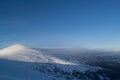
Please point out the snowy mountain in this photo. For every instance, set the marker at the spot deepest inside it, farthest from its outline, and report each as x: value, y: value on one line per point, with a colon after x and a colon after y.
x: 21, y: 53
x: 19, y: 62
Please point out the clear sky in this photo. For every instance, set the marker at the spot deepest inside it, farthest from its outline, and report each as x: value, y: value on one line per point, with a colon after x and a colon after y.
x: 60, y: 23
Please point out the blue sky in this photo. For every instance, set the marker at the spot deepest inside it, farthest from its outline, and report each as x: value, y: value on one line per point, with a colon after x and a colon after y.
x: 60, y: 23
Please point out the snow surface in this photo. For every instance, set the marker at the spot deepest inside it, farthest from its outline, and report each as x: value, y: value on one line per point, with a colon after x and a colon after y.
x: 19, y: 62
x: 22, y: 53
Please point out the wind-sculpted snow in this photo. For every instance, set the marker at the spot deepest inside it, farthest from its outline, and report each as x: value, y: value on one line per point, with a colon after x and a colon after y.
x: 18, y: 62
x: 22, y: 53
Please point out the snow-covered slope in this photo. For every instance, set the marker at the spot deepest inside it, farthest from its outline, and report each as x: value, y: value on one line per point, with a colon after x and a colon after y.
x: 22, y: 53
x: 19, y: 62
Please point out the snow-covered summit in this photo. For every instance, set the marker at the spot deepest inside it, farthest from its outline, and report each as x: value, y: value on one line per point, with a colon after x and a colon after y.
x: 24, y: 63
x: 15, y: 49
x: 22, y: 53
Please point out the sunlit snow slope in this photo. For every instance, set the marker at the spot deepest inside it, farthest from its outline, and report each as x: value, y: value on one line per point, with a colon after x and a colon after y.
x: 21, y: 53
x: 19, y: 62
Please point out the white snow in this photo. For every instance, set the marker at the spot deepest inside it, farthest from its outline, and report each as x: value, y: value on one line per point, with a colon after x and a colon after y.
x: 12, y: 49
x: 22, y: 53
x: 17, y: 62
